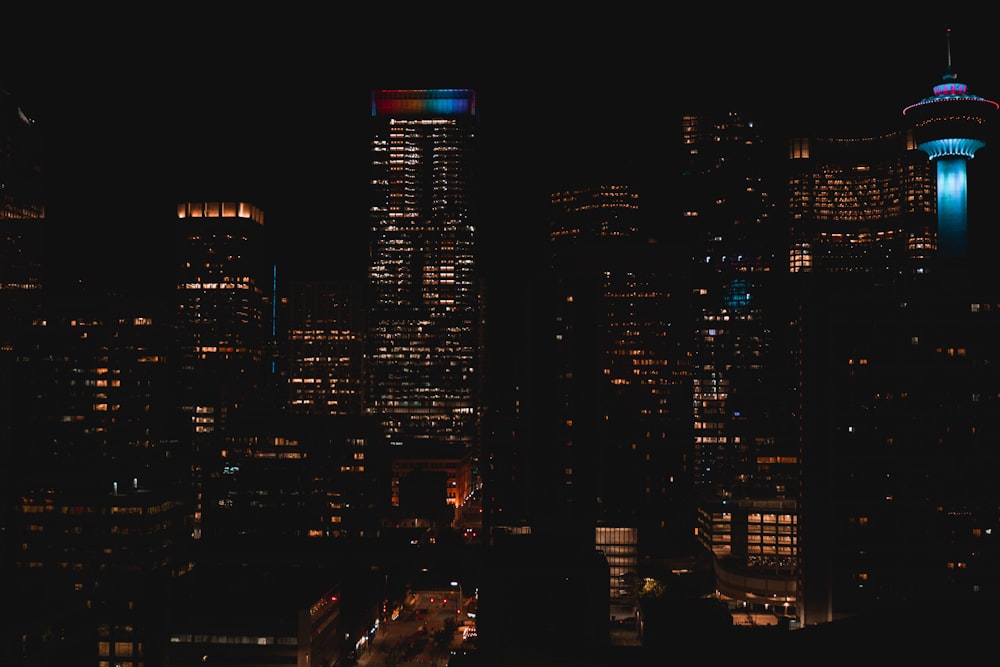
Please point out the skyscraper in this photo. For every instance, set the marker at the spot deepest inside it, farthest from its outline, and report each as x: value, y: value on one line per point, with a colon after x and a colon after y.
x: 614, y: 439
x: 746, y: 456
x: 222, y: 310
x: 423, y: 347
x: 22, y: 212
x: 22, y: 219
x: 222, y: 320
x: 616, y: 359
x: 22, y: 216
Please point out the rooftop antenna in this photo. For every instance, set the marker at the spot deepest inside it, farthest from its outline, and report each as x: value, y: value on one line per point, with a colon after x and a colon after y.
x: 947, y: 38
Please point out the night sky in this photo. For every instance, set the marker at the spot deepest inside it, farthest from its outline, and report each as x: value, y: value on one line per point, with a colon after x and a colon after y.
x: 140, y: 111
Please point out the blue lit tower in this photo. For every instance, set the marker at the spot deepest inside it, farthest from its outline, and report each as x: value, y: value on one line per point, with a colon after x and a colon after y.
x: 950, y: 126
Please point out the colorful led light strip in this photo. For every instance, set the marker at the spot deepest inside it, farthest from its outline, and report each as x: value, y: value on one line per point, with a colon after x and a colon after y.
x: 436, y: 102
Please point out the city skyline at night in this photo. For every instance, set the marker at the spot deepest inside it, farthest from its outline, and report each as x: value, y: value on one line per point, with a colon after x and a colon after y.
x: 678, y: 336
x: 283, y: 127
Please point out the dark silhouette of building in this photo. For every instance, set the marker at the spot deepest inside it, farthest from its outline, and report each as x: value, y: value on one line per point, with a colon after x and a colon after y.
x: 22, y: 219
x: 290, y: 477
x: 100, y: 549
x: 898, y: 386
x: 94, y: 386
x: 746, y: 456
x: 278, y: 609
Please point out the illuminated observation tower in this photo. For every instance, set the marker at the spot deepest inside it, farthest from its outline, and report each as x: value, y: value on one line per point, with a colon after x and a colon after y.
x: 950, y: 127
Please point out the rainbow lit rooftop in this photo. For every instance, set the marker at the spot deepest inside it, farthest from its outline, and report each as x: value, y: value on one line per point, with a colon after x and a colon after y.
x: 428, y: 102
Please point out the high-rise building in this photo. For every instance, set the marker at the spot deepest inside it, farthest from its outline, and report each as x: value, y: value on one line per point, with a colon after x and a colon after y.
x: 22, y: 220
x: 424, y: 320
x: 862, y: 220
x: 602, y: 449
x: 613, y: 445
x: 222, y: 322
x: 746, y: 457
x: 223, y: 314
x: 22, y: 216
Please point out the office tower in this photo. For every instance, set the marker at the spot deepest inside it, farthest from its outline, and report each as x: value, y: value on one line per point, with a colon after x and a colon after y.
x: 861, y: 210
x: 223, y: 311
x: 950, y: 126
x: 222, y: 322
x: 746, y: 456
x: 860, y: 207
x: 615, y: 443
x: 325, y: 349
x: 22, y: 220
x: 424, y: 326
x: 862, y: 216
x: 606, y: 438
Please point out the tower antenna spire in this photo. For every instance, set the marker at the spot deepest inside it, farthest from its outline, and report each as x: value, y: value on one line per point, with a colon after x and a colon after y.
x: 947, y: 37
